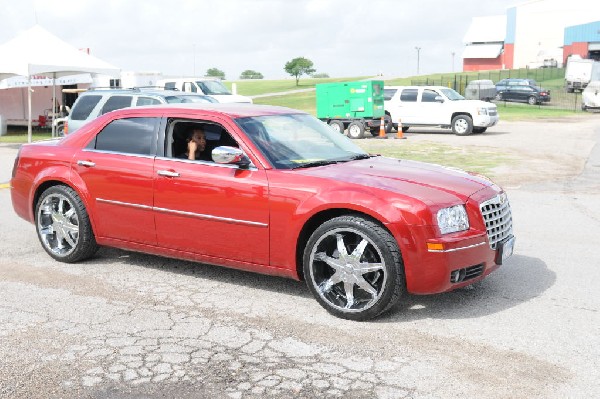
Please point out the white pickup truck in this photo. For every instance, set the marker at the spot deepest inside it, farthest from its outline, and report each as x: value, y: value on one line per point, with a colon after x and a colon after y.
x: 438, y: 106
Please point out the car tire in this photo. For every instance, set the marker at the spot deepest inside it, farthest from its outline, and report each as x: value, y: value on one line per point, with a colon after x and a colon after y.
x: 405, y: 129
x: 63, y: 225
x: 532, y: 100
x: 498, y: 97
x: 479, y: 129
x: 462, y: 125
x: 338, y: 126
x: 356, y: 130
x: 389, y: 125
x: 353, y: 267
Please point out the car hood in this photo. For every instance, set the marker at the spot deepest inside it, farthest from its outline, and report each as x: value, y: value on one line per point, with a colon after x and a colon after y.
x: 429, y: 183
x: 231, y: 98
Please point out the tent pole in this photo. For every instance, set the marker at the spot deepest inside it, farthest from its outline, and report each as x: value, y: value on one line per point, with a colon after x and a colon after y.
x: 29, y: 105
x: 53, y: 110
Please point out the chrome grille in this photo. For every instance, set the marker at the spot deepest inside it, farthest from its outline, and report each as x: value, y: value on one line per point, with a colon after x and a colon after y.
x: 492, y: 112
x: 498, y: 219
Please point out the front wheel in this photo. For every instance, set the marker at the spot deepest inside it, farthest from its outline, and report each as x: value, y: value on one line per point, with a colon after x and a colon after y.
x: 356, y: 130
x: 498, y: 97
x: 462, y: 125
x: 353, y: 267
x: 532, y: 100
x: 63, y: 225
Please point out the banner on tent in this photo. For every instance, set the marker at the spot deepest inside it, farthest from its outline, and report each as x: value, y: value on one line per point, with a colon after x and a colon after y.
x: 36, y: 81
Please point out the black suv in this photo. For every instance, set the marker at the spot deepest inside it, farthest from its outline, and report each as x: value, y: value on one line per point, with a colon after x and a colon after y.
x: 524, y: 93
x: 95, y: 102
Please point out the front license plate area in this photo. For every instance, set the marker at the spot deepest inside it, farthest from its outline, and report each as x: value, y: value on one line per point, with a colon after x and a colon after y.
x: 505, y: 250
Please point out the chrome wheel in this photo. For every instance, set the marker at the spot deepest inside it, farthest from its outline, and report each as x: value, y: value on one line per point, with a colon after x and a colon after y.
x: 63, y: 225
x: 58, y: 224
x: 462, y: 125
x: 353, y: 267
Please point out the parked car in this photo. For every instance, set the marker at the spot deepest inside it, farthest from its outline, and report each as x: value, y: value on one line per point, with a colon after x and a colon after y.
x: 93, y: 103
x: 482, y: 89
x: 438, y: 106
x: 208, y: 86
x: 283, y: 194
x: 505, y: 83
x: 590, y: 98
x: 524, y: 93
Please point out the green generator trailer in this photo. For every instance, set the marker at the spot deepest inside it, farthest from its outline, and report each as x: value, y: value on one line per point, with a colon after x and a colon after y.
x: 356, y: 106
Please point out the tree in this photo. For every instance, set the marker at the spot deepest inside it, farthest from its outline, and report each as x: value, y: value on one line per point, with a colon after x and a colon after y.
x: 298, y: 67
x: 250, y: 74
x: 215, y: 73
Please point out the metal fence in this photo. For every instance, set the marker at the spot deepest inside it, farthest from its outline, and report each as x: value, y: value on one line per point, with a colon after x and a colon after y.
x: 551, y: 79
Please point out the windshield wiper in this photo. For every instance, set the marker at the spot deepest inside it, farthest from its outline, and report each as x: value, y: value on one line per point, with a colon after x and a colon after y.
x: 360, y: 156
x: 317, y: 163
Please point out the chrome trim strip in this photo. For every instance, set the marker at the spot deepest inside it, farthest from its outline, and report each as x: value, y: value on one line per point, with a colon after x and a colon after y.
x: 457, y: 249
x: 211, y: 217
x: 124, y: 203
x: 183, y: 213
x: 127, y: 154
x: 208, y: 163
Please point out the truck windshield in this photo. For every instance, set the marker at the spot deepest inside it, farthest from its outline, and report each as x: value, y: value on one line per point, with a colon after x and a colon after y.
x: 452, y: 95
x: 213, y: 87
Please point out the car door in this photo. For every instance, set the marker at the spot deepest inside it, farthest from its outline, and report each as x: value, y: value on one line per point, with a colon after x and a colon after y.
x: 116, y: 168
x: 406, y: 108
x: 215, y: 210
x: 430, y: 110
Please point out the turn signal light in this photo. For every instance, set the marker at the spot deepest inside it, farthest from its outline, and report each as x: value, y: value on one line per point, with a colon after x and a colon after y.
x: 432, y: 246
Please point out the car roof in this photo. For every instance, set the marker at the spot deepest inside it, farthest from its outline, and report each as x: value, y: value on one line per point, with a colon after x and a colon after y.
x: 233, y: 110
x: 151, y: 91
x: 414, y: 87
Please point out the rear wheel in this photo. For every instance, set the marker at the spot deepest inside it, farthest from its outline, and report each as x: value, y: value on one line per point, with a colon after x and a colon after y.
x: 405, y: 129
x: 389, y: 125
x: 63, y: 225
x: 338, y: 126
x: 356, y: 130
x: 462, y: 125
x: 532, y: 100
x: 353, y: 267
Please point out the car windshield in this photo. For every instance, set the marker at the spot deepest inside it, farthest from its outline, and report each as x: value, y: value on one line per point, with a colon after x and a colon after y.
x: 189, y: 99
x: 298, y: 141
x: 212, y: 87
x: 452, y: 95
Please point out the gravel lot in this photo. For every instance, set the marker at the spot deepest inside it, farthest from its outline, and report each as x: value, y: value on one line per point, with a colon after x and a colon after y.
x: 128, y: 325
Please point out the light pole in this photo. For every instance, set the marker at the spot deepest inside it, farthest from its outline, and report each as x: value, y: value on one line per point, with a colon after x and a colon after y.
x: 453, y: 60
x: 418, y: 58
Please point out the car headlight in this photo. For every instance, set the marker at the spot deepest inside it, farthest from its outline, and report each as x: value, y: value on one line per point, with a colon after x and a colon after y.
x: 482, y: 111
x: 453, y: 219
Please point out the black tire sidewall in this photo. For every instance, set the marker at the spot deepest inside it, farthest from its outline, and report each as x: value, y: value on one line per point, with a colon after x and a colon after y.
x: 380, y: 237
x: 469, y: 121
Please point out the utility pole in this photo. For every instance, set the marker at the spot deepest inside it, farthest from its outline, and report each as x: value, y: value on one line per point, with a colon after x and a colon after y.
x: 418, y: 58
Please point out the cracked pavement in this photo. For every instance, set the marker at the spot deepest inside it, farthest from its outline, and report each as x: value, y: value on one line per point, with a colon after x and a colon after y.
x: 130, y: 325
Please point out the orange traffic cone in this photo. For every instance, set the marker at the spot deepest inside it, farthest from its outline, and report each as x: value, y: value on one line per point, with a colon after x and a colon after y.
x: 382, y: 134
x: 399, y: 134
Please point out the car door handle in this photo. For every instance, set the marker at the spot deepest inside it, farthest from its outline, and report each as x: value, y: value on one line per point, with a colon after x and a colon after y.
x: 87, y: 164
x: 167, y: 173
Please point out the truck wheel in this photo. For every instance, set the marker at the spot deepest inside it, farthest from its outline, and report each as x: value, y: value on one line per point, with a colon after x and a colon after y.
x: 356, y: 130
x: 389, y: 125
x: 405, y: 129
x: 338, y: 126
x: 462, y: 125
x: 353, y: 267
x: 532, y: 100
x: 498, y: 97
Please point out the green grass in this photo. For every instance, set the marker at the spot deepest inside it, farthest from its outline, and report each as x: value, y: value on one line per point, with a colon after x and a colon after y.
x: 305, y: 101
x: 519, y: 112
x: 253, y: 87
x: 19, y: 136
x: 477, y: 160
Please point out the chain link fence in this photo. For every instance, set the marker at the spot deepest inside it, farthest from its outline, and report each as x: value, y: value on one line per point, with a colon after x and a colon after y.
x: 551, y: 79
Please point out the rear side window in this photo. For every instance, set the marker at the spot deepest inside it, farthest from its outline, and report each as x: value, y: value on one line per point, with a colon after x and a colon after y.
x: 409, y: 95
x: 129, y: 136
x: 116, y: 102
x: 170, y: 86
x: 388, y: 94
x: 147, y: 101
x: 84, y: 106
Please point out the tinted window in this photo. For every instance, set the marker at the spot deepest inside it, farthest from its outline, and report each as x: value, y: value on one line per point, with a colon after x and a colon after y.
x: 147, y: 101
x: 170, y: 86
x: 130, y: 135
x: 409, y: 95
x: 84, y: 105
x: 429, y: 96
x: 388, y: 94
x: 116, y: 102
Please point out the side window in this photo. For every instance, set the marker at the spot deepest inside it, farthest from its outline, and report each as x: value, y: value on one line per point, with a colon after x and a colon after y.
x: 189, y: 86
x: 429, y: 96
x: 388, y: 94
x: 116, y: 102
x: 409, y: 95
x: 147, y: 101
x: 129, y: 136
x: 170, y: 86
x: 180, y: 132
x: 84, y: 106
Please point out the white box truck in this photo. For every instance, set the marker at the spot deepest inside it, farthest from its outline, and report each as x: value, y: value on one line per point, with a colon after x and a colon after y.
x: 579, y: 72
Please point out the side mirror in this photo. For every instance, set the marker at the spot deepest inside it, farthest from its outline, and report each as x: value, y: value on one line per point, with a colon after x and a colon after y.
x: 231, y: 156
x: 438, y: 99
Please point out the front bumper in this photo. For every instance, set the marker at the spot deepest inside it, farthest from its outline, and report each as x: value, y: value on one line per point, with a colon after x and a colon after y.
x: 485, y: 120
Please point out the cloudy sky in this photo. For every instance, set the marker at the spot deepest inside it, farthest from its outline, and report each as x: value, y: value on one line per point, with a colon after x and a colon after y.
x: 344, y: 38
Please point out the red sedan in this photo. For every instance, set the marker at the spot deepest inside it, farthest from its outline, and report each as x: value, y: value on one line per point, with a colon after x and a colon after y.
x: 264, y: 189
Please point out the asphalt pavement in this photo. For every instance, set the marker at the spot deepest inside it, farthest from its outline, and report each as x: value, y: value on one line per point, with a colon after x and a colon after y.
x: 129, y: 325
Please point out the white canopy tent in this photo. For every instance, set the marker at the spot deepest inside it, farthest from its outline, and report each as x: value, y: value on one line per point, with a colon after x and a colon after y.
x: 38, y: 52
